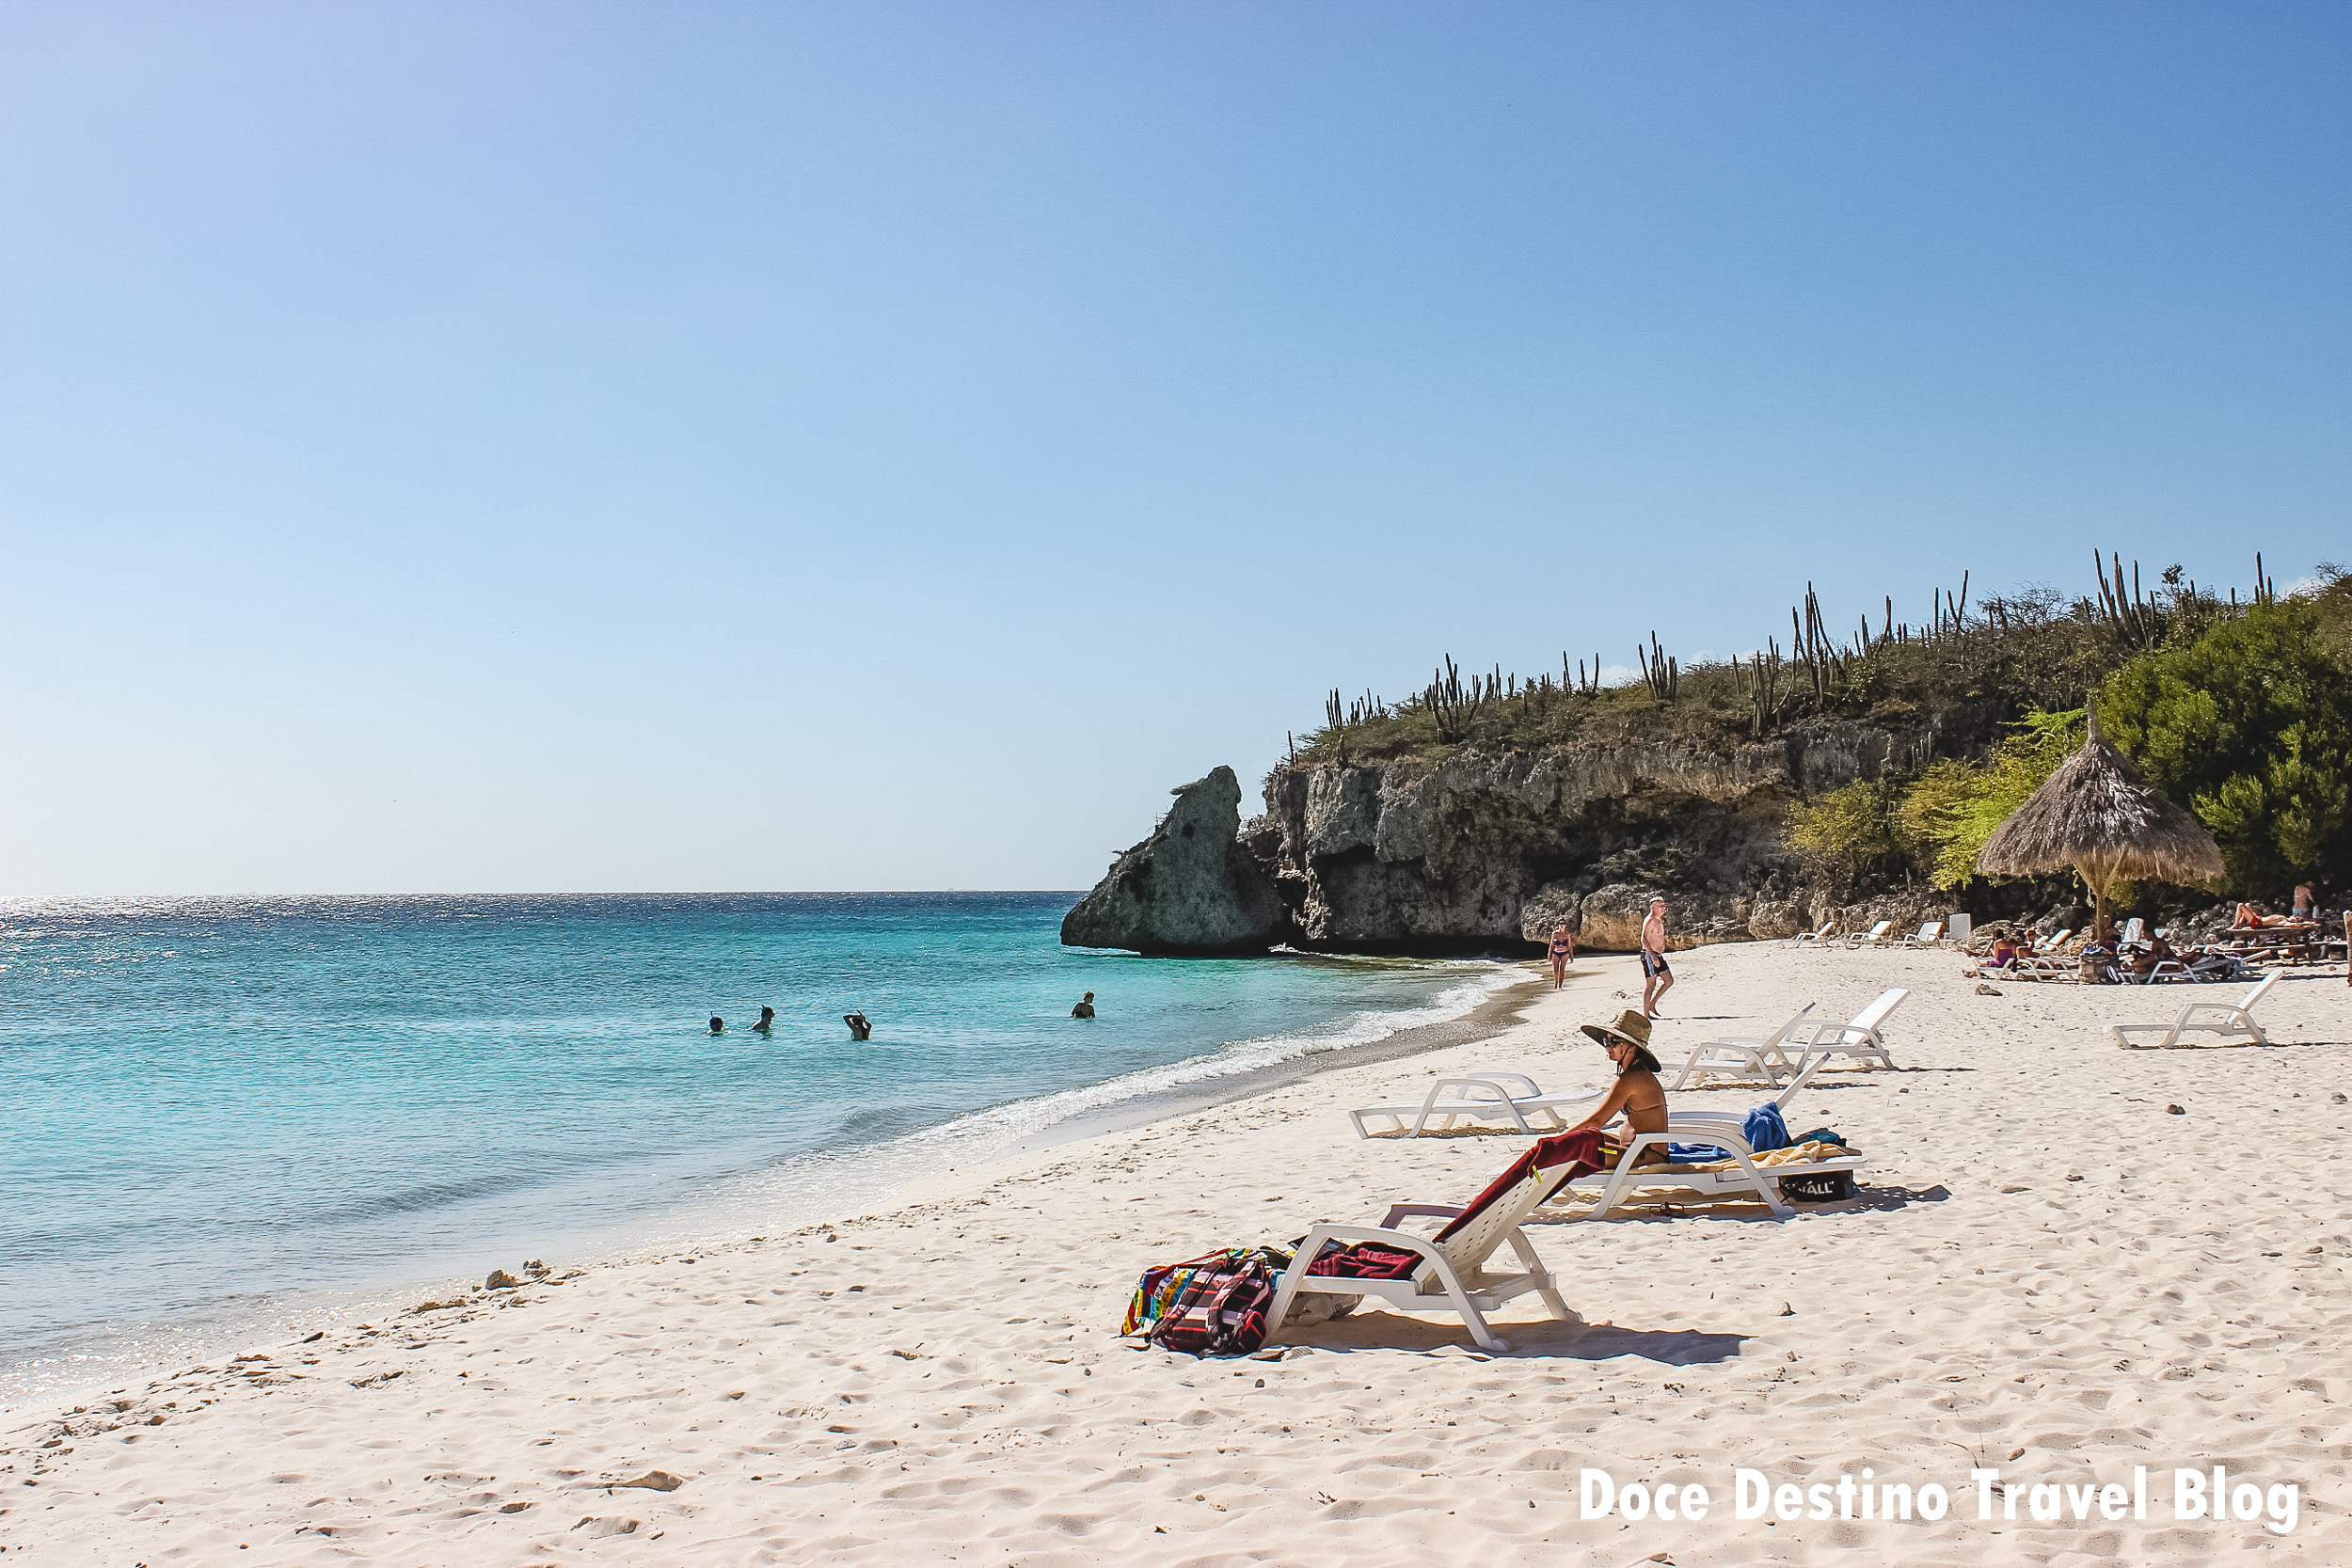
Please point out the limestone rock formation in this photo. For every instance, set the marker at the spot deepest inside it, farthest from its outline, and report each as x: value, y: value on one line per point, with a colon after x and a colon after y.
x: 1485, y: 851
x: 1190, y: 888
x: 1482, y: 850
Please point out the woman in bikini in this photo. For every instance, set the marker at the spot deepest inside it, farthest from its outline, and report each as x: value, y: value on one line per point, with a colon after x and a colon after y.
x: 1636, y: 1090
x: 1563, y: 953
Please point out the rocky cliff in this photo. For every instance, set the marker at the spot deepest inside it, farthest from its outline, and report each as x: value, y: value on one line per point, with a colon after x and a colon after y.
x: 1189, y: 888
x: 1483, y: 852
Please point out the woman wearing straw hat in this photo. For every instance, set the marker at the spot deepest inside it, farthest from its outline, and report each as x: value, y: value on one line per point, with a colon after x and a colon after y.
x: 1636, y: 1091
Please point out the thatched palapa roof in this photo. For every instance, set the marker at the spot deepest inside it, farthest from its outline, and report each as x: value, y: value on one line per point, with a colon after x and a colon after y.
x: 2097, y: 815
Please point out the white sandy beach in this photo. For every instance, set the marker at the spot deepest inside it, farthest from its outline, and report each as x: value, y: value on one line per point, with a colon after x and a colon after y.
x: 2046, y: 1274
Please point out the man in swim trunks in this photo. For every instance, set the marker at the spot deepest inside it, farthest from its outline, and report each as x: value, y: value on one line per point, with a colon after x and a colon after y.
x: 1563, y: 953
x: 1656, y: 979
x: 1085, y: 1009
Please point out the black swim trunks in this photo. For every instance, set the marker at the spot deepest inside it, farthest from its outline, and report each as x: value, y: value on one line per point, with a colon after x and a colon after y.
x: 1653, y: 965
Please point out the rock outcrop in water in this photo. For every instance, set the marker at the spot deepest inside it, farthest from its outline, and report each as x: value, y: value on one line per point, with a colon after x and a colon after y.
x: 1483, y: 852
x: 1190, y: 888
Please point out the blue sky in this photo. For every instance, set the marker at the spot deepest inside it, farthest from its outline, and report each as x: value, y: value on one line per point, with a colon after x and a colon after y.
x: 573, y: 447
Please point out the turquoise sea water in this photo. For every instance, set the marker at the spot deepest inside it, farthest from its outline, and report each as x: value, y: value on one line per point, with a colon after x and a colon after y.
x: 218, y: 1106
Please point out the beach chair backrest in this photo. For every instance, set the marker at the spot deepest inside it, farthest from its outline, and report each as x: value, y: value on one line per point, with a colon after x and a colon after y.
x: 2055, y: 940
x: 1930, y: 933
x: 1505, y: 1085
x: 1805, y: 1076
x: 2256, y: 994
x: 2132, y: 929
x: 1875, y: 1014
x: 1789, y: 1028
x: 1470, y: 1236
x: 1878, y: 931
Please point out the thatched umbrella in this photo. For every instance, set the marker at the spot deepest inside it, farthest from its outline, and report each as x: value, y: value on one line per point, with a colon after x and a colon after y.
x: 2096, y: 814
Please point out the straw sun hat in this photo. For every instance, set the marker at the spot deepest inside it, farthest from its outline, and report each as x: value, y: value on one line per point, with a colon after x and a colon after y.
x: 1631, y: 1027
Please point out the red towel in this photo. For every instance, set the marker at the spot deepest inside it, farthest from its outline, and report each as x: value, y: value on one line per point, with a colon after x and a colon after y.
x: 1562, y: 1157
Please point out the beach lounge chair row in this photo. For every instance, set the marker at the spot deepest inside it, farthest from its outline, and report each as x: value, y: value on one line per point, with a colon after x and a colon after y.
x: 1453, y: 1274
x: 1487, y: 1093
x: 1788, y: 1049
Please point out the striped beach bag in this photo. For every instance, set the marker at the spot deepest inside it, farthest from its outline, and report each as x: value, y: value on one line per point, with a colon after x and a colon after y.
x: 1213, y: 1305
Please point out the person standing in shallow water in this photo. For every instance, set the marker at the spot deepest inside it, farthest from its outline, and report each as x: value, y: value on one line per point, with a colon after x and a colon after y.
x: 1563, y: 953
x: 859, y: 1028
x: 1084, y: 1007
x: 1656, y: 979
x: 767, y: 1021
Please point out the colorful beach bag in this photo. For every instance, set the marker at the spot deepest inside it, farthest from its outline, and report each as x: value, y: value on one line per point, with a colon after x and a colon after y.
x: 1213, y: 1305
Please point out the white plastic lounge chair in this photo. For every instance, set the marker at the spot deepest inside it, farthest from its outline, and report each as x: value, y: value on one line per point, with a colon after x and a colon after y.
x: 1858, y: 1037
x: 1478, y: 1095
x: 2135, y: 930
x: 2230, y: 1021
x: 1742, y: 1056
x: 1744, y: 1181
x: 1821, y: 935
x: 2045, y: 961
x: 1874, y: 937
x: 1453, y: 1272
x: 1929, y: 935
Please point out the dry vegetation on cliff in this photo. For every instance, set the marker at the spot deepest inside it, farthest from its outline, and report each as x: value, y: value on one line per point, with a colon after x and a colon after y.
x: 2238, y: 708
x: 1986, y: 663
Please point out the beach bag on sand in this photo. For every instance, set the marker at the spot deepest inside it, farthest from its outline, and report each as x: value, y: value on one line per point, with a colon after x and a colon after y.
x: 1213, y: 1305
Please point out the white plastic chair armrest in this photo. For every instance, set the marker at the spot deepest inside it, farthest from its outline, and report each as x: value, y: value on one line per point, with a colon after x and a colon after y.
x: 1484, y: 1075
x: 1420, y: 1210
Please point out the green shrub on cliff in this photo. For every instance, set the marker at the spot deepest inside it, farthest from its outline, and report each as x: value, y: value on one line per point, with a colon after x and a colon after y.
x: 2250, y: 726
x: 1852, y: 833
x: 1953, y: 806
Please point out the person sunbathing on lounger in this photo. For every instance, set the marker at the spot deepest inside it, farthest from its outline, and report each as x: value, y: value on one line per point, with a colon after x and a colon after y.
x: 2005, y: 955
x: 2252, y: 917
x: 1636, y: 1091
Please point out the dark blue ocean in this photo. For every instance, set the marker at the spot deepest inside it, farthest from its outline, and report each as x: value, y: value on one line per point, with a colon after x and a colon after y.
x: 227, y: 1114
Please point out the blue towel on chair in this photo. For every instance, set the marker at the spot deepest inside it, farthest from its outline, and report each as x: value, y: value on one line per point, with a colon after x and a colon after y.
x: 1764, y: 1129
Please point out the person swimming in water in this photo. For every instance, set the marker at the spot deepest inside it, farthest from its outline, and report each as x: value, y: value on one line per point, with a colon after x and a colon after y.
x: 718, y: 1024
x: 859, y: 1028
x: 1084, y: 1007
x: 767, y: 1024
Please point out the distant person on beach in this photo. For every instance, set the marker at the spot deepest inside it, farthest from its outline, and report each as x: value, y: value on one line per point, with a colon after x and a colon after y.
x: 2005, y: 955
x: 767, y: 1021
x: 859, y: 1028
x: 1656, y: 979
x: 1084, y: 1007
x: 718, y: 1024
x: 2305, y: 906
x: 1563, y: 953
x: 2158, y: 951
